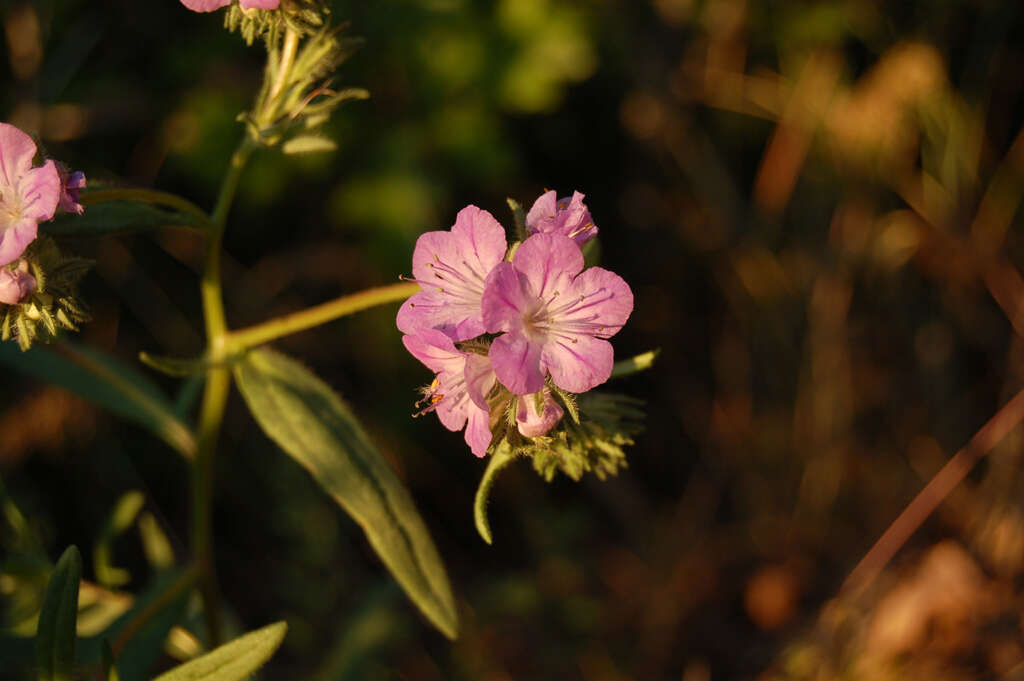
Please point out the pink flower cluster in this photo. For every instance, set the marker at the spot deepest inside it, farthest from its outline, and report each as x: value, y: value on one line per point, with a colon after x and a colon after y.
x: 211, y: 5
x: 550, y: 317
x: 28, y: 195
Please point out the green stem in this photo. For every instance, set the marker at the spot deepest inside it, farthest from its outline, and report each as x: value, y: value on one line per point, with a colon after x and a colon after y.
x: 315, y: 316
x: 175, y: 590
x: 215, y: 395
x: 157, y: 198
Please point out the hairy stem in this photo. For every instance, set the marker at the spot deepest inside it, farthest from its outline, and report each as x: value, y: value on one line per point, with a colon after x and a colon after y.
x: 215, y: 395
x: 315, y: 316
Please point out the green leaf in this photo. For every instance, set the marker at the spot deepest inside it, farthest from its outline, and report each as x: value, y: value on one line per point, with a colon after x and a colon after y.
x: 55, y: 637
x: 105, y: 381
x: 502, y: 456
x: 311, y: 423
x: 118, y: 217
x: 234, y: 660
x: 308, y: 144
x: 121, y: 518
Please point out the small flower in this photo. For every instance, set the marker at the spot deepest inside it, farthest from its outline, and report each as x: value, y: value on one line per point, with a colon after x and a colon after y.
x: 16, y: 283
x: 553, y: 317
x: 568, y: 217
x: 212, y: 5
x: 451, y: 268
x: 537, y: 414
x: 459, y: 391
x: 27, y: 195
x: 71, y: 183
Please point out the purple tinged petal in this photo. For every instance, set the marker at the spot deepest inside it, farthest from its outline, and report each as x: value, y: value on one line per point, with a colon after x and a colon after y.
x: 549, y: 261
x: 516, y: 361
x: 205, y: 5
x: 480, y: 239
x: 532, y: 423
x: 71, y: 183
x: 478, y: 430
x: 568, y: 217
x: 578, y: 365
x: 16, y: 285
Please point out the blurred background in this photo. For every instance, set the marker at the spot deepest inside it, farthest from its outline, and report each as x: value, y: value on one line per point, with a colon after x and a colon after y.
x: 815, y: 204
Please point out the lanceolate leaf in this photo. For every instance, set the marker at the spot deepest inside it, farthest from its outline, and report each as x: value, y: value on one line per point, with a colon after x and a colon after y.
x: 310, y: 422
x: 232, y: 661
x: 118, y: 217
x: 106, y: 382
x: 55, y: 637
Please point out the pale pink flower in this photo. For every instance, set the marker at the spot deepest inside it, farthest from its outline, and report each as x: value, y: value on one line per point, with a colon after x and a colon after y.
x: 27, y: 195
x: 459, y: 391
x: 568, y: 217
x: 211, y: 5
x: 553, y: 316
x: 451, y: 268
x: 534, y: 422
x: 16, y: 284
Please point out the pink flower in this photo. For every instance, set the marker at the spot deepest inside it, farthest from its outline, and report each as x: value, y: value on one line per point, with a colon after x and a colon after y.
x: 27, y: 195
x: 211, y: 5
x: 459, y: 391
x: 451, y: 267
x: 553, y: 317
x: 568, y: 217
x: 71, y: 183
x: 534, y: 422
x: 16, y: 284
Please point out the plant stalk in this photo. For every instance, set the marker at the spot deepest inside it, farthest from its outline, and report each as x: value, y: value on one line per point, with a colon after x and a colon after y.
x: 315, y: 316
x: 215, y: 395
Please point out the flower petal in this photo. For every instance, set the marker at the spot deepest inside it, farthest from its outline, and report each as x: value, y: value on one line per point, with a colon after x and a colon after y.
x: 479, y: 379
x: 478, y: 430
x: 580, y: 365
x: 16, y: 153
x: 544, y: 208
x: 549, y: 261
x: 505, y: 300
x: 39, y: 190
x: 435, y: 350
x: 516, y: 362
x: 479, y: 239
x: 205, y: 5
x: 606, y: 301
x: 260, y: 4
x: 16, y: 238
